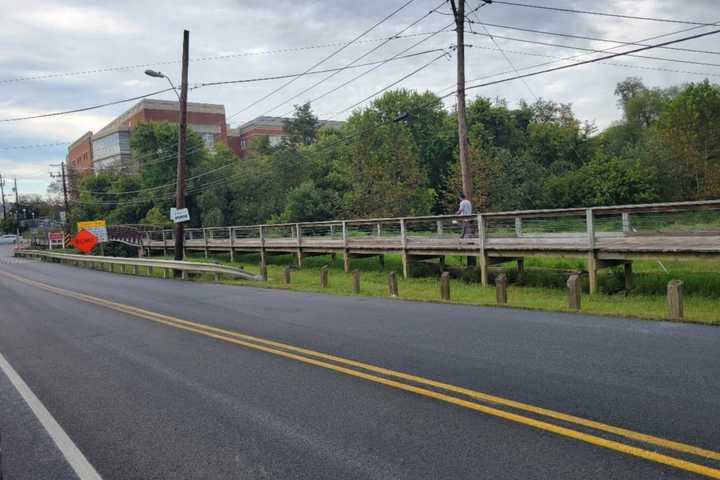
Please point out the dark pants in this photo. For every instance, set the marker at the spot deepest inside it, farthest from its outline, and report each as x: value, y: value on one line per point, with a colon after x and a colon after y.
x: 467, y: 229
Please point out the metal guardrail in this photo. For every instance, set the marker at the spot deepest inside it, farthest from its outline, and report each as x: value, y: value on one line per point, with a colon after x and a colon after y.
x: 163, y: 265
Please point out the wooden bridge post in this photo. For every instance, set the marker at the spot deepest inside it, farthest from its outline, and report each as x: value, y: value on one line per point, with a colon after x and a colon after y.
x: 346, y: 252
x: 592, y: 263
x: 299, y: 245
x: 628, y: 275
x: 231, y: 238
x: 484, y: 263
x: 404, y: 254
x: 626, y: 227
x: 518, y: 227
x: 164, y: 237
x: 205, y: 241
x: 675, y: 300
x: 439, y: 228
x: 445, y: 286
x: 501, y: 284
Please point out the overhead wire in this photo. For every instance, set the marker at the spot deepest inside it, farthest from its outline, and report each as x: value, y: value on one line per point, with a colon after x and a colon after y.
x: 603, y: 14
x: 325, y: 59
x: 357, y: 59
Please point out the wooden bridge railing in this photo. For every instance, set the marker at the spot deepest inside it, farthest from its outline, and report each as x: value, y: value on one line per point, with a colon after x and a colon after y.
x: 607, y: 235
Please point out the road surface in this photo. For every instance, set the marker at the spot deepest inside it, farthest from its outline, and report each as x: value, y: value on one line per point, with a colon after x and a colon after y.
x: 287, y: 385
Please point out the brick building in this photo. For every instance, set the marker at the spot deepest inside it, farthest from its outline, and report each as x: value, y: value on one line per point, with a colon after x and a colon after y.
x: 79, y: 160
x: 111, y: 145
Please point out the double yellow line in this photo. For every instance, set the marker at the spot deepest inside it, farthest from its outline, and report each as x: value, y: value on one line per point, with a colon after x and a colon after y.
x: 419, y: 385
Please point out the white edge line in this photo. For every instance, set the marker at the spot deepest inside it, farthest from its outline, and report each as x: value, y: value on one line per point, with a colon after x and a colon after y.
x: 73, y: 455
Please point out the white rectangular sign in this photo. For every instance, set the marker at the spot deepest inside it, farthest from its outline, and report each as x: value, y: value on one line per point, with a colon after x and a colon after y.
x: 179, y: 216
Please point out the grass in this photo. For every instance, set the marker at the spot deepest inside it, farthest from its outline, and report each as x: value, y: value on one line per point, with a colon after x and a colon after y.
x: 540, y: 289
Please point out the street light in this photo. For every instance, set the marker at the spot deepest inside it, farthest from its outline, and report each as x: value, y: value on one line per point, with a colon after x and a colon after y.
x: 182, y: 148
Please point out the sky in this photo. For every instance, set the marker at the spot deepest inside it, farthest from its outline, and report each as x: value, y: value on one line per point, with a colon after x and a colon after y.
x: 74, y: 46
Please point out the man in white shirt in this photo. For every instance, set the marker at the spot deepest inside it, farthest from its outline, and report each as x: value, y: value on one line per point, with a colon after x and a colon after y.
x: 465, y: 209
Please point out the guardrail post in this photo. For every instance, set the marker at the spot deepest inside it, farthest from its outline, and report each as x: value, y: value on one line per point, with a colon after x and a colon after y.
x: 346, y: 250
x: 231, y: 237
x: 518, y: 227
x: 573, y: 291
x: 592, y: 264
x: 445, y: 286
x: 356, y: 281
x: 403, y: 243
x: 205, y: 241
x: 324, y: 276
x: 299, y: 246
x: 501, y: 284
x: 484, y: 263
x: 392, y: 284
x: 675, y: 300
x: 286, y: 275
x: 626, y: 227
x: 261, y: 233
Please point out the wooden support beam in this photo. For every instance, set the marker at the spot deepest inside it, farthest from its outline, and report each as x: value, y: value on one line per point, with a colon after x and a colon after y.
x: 521, y: 265
x: 675, y: 300
x: 263, y: 272
x: 406, y: 264
x: 629, y: 283
x: 231, y: 237
x: 484, y: 269
x: 346, y: 261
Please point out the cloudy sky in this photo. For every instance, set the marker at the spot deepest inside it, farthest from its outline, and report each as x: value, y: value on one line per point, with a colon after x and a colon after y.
x: 64, y: 40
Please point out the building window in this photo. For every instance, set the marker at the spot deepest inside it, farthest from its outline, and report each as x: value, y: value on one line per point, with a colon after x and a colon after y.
x: 275, y: 140
x: 243, y: 143
x: 209, y: 139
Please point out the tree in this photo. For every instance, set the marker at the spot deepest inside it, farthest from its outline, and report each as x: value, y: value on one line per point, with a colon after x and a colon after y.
x: 308, y: 203
x: 302, y: 129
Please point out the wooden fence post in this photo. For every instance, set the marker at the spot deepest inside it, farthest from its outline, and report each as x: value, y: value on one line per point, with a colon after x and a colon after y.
x: 286, y: 275
x: 392, y: 284
x: 592, y: 257
x: 324, y: 276
x: 205, y: 241
x: 231, y: 238
x: 483, y: 264
x: 346, y: 252
x: 518, y: 227
x: 626, y: 227
x: 675, y: 300
x: 501, y: 283
x: 445, y: 286
x: 573, y: 291
x: 356, y: 281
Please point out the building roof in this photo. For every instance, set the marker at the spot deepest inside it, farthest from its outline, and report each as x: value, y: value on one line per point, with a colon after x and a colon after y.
x: 151, y: 104
x: 86, y: 136
x: 274, y: 122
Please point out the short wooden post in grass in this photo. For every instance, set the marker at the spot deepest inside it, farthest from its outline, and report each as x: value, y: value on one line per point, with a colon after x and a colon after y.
x: 392, y: 284
x: 445, y: 286
x: 324, y: 276
x: 286, y: 275
x: 501, y: 284
x: 356, y: 281
x: 573, y: 290
x: 675, y: 300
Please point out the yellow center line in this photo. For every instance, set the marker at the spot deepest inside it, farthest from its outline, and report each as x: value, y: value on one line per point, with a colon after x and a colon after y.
x: 252, y: 342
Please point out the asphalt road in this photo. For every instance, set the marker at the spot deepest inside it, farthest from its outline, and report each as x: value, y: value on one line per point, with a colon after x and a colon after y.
x: 149, y: 400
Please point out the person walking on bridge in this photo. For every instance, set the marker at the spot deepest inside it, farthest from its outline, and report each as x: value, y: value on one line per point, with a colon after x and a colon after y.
x: 465, y: 208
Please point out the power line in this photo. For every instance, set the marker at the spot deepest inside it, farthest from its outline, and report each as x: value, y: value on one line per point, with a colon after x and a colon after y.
x: 585, y: 62
x: 603, y: 14
x: 357, y: 59
x: 85, y: 109
x: 593, y: 50
x: 594, y: 39
x: 273, y: 92
x: 648, y: 39
x: 199, y: 59
x: 417, y: 70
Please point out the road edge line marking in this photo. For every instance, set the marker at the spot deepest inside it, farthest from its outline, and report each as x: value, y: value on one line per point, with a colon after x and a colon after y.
x: 203, y: 330
x: 75, y: 458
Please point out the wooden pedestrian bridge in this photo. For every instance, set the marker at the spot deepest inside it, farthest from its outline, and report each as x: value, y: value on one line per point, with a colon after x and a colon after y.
x: 603, y: 236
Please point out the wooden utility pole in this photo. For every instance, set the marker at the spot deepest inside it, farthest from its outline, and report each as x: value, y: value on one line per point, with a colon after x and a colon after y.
x: 182, y: 150
x: 459, y: 14
x: 2, y: 194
